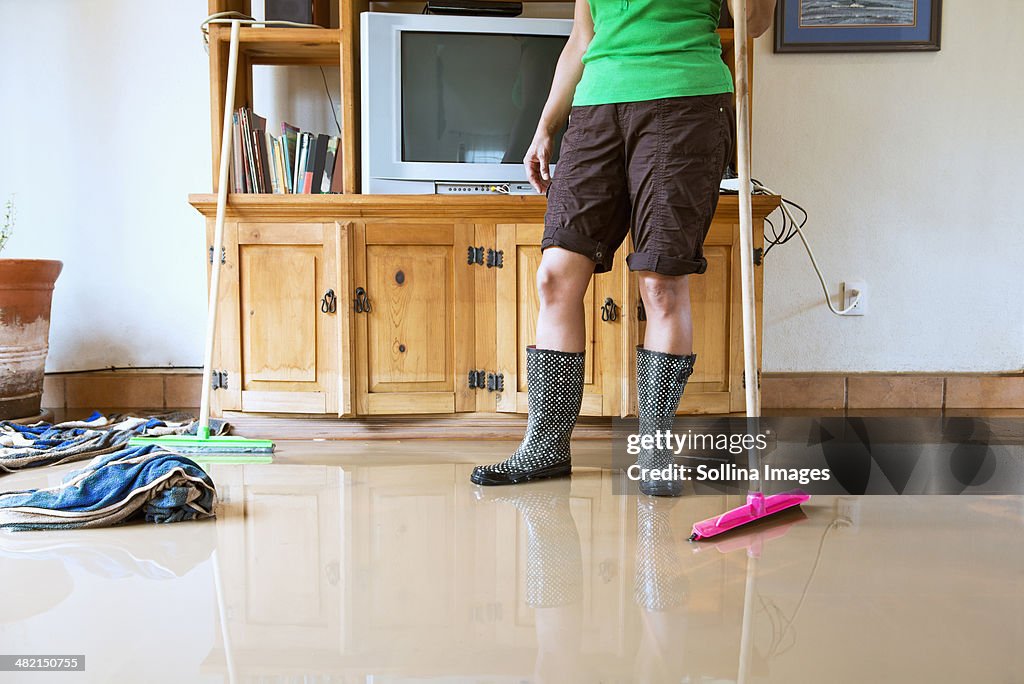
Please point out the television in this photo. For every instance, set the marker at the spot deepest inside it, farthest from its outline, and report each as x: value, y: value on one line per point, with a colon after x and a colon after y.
x: 450, y: 104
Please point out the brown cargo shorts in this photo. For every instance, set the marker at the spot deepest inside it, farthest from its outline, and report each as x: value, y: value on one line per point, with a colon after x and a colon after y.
x: 652, y: 166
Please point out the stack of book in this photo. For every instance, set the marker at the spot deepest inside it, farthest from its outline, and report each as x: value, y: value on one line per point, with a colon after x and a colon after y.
x: 295, y: 162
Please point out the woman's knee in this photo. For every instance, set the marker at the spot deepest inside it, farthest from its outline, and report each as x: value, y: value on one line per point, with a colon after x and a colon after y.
x: 563, y: 282
x: 665, y: 295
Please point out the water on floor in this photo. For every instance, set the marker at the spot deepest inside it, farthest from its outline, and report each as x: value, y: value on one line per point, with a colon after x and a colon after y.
x: 380, y: 563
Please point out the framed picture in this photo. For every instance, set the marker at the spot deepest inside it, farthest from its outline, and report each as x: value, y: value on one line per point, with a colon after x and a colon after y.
x: 857, y: 25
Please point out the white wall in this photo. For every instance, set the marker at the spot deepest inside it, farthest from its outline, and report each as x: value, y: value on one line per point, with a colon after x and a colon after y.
x: 908, y: 164
x: 106, y: 130
x: 910, y: 167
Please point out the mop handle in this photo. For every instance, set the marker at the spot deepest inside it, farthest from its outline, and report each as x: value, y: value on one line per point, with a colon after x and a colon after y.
x: 753, y: 392
x: 203, y: 430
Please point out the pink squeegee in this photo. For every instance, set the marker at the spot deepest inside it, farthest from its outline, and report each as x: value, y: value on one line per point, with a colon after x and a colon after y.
x: 758, y: 507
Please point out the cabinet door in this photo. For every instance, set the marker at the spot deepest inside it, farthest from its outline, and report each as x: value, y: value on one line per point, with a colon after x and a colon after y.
x: 415, y: 343
x: 275, y: 340
x: 517, y: 309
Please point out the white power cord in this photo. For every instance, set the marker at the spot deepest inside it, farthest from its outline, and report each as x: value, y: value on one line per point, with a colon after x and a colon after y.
x: 814, y: 262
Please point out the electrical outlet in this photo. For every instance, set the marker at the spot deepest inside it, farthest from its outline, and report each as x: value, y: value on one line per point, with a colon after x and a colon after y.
x: 851, y: 290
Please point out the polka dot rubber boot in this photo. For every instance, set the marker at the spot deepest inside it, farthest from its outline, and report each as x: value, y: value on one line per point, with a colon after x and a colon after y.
x: 660, y: 583
x: 660, y: 381
x: 555, y: 389
x: 554, y: 560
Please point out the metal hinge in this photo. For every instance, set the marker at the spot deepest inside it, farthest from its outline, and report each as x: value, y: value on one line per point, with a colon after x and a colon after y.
x: 743, y: 376
x: 495, y: 382
x: 492, y: 382
x: 475, y: 256
x: 758, y: 256
x: 223, y: 255
x: 219, y: 380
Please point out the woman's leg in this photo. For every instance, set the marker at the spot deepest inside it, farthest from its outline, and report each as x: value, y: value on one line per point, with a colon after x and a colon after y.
x: 667, y: 303
x: 554, y: 374
x: 663, y: 366
x: 562, y: 281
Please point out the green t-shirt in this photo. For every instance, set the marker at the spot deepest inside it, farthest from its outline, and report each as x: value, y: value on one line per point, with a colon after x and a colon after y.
x: 649, y: 49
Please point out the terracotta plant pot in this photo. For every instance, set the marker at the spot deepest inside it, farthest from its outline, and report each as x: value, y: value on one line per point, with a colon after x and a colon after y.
x: 26, y: 289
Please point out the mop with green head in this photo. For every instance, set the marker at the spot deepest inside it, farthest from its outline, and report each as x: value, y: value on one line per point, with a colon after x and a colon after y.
x: 206, y: 447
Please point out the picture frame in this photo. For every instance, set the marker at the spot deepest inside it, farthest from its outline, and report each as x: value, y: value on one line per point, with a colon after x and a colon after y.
x: 857, y: 25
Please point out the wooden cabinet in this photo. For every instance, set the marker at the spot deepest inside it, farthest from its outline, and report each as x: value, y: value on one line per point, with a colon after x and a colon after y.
x: 278, y: 341
x: 374, y: 305
x: 292, y: 341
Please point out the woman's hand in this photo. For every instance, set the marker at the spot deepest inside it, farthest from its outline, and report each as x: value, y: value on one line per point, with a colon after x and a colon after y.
x: 568, y: 72
x: 536, y: 161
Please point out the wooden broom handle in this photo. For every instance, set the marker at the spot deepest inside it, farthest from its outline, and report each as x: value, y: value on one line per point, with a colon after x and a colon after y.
x: 740, y: 39
x: 203, y: 430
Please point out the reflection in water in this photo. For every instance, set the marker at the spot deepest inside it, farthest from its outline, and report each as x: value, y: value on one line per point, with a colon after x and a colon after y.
x: 660, y: 589
x: 392, y: 573
x: 119, y: 555
x: 554, y: 574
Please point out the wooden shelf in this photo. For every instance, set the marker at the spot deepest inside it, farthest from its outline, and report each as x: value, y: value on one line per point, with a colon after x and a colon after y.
x: 505, y: 207
x: 284, y: 46
x: 297, y: 46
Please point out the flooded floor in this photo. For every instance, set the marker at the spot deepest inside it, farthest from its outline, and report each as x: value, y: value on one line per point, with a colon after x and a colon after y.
x: 380, y: 563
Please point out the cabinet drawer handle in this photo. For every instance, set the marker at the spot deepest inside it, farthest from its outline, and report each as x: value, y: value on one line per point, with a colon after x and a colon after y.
x: 329, y: 304
x: 610, y: 311
x: 362, y: 301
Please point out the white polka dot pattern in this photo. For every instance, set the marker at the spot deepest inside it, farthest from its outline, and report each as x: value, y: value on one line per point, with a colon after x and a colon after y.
x: 554, y: 561
x: 660, y: 582
x: 555, y: 393
x: 660, y: 381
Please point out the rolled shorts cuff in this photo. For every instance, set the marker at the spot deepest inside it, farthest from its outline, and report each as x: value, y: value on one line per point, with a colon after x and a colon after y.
x: 665, y: 265
x: 568, y: 239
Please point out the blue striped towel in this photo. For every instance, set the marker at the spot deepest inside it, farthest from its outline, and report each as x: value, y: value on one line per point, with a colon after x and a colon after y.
x: 139, y: 483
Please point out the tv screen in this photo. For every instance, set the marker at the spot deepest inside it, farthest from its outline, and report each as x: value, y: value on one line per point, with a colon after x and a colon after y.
x: 474, y: 98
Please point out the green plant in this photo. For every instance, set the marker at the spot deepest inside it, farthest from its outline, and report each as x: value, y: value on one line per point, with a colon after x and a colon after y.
x: 8, y: 225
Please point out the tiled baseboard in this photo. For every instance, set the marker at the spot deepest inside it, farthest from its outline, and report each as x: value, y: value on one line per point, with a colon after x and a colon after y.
x: 178, y: 388
x: 123, y: 389
x: 892, y: 391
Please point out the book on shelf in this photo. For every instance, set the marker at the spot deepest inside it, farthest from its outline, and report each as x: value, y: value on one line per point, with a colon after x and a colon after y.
x: 332, y: 151
x: 315, y: 171
x: 294, y: 162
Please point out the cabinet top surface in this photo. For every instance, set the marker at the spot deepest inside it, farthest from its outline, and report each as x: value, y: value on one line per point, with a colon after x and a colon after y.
x: 508, y: 208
